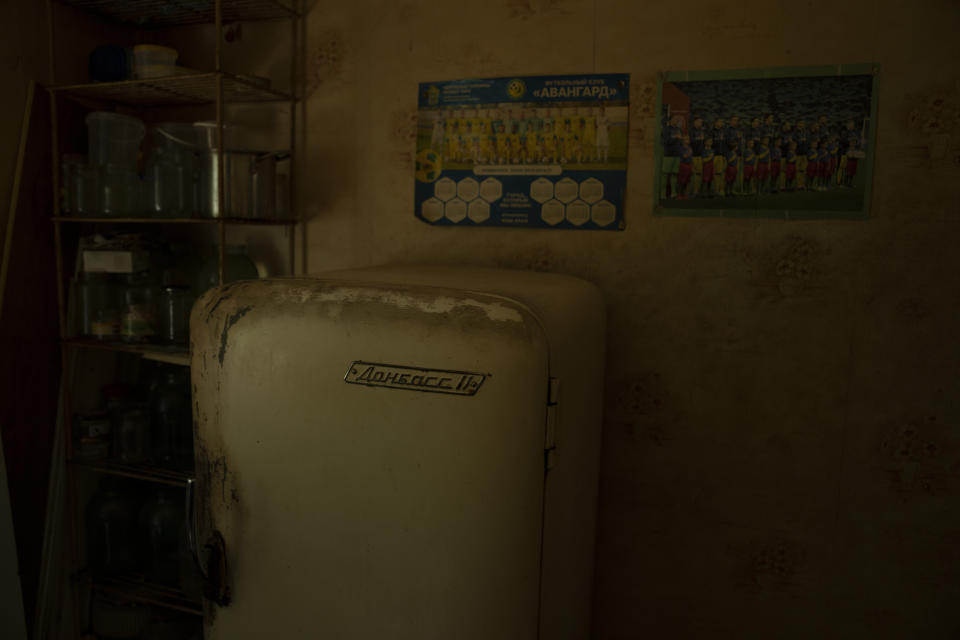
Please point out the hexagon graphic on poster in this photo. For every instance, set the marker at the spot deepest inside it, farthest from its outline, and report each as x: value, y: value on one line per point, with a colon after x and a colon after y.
x: 566, y: 190
x: 431, y: 209
x: 578, y: 212
x: 552, y: 212
x: 603, y: 213
x: 445, y: 189
x: 478, y: 211
x: 541, y: 190
x: 491, y: 189
x: 455, y: 210
x: 468, y: 189
x: 591, y: 190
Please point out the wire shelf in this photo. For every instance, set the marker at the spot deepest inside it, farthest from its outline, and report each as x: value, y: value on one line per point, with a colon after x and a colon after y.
x: 192, y: 89
x: 137, y: 471
x: 146, y: 14
x: 166, y: 221
x: 135, y: 588
x: 157, y: 353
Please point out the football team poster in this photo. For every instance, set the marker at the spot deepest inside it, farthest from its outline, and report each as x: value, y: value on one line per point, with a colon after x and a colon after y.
x: 532, y: 152
x: 785, y: 143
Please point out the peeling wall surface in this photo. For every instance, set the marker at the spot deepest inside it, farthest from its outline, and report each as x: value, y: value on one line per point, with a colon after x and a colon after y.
x: 781, y: 443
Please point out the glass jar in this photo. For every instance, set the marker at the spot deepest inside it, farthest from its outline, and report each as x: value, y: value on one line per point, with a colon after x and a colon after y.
x: 94, y: 435
x: 111, y: 528
x: 70, y: 167
x: 175, y: 305
x: 86, y: 191
x: 99, y: 306
x: 138, y: 317
x: 130, y: 433
x: 162, y: 525
x: 172, y: 170
x: 171, y: 419
x: 120, y: 190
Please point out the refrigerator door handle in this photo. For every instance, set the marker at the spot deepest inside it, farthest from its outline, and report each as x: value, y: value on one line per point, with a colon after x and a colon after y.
x: 191, y: 520
x: 214, y: 571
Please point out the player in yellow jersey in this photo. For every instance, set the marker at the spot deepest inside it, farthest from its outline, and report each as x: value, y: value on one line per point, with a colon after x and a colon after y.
x: 476, y: 122
x: 564, y: 138
x: 464, y: 123
x: 530, y: 145
x: 437, y: 133
x: 549, y: 144
x: 576, y: 124
x: 463, y: 147
x: 589, y: 138
x: 516, y: 145
x: 451, y: 136
x: 486, y: 147
x: 502, y: 144
x: 603, y: 135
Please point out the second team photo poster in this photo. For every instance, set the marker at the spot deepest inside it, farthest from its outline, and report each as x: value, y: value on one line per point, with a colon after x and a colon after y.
x: 524, y: 151
x: 783, y: 143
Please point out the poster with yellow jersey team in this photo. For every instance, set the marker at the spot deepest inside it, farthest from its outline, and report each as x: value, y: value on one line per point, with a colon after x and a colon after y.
x: 533, y: 152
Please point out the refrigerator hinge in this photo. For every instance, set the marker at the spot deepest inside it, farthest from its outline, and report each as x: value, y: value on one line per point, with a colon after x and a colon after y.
x: 550, y: 431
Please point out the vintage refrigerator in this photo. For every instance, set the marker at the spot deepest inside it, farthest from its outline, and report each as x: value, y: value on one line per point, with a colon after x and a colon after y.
x: 398, y: 452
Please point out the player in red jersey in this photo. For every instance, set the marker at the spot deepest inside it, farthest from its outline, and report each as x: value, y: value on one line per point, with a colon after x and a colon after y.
x: 790, y: 169
x: 749, y: 167
x: 707, y: 177
x: 685, y: 168
x: 732, y: 161
x: 775, y: 155
x: 763, y: 165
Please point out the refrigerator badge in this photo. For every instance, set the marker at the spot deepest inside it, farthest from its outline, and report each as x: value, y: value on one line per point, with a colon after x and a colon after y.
x: 373, y: 374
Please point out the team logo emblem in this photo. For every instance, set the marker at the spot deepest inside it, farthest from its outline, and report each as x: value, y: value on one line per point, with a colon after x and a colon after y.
x: 429, y: 165
x: 516, y: 88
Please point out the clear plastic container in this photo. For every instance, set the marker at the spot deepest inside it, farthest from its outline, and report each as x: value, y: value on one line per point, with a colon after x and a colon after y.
x: 114, y: 138
x: 172, y: 170
x: 154, y: 61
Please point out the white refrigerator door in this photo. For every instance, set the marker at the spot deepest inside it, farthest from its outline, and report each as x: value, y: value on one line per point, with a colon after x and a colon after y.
x: 373, y: 457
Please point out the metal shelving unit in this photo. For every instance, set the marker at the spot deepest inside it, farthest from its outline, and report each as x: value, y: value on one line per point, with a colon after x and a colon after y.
x: 179, y: 90
x: 217, y: 88
x: 168, y: 221
x: 157, y: 353
x: 137, y: 471
x: 172, y: 13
